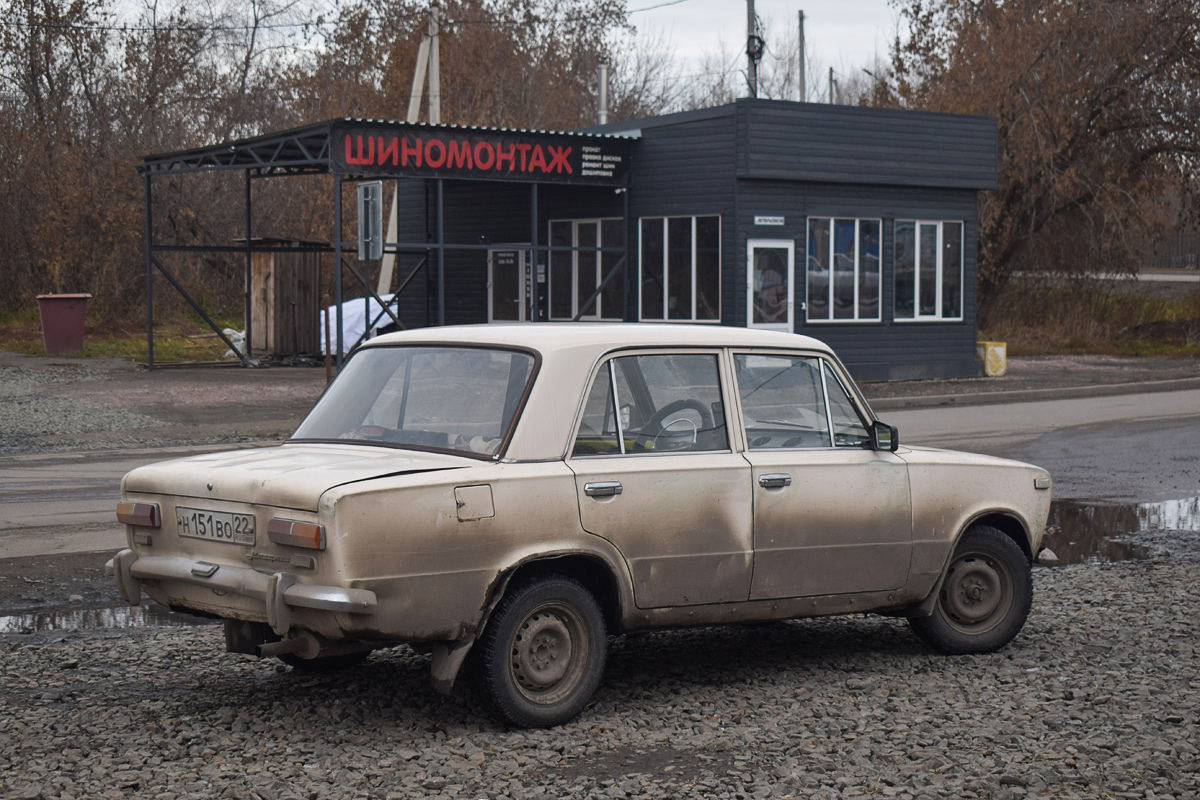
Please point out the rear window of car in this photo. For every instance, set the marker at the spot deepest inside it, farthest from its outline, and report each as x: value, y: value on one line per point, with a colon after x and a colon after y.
x: 460, y: 399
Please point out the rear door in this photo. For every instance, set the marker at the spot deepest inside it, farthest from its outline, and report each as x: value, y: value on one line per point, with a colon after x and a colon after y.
x: 656, y: 476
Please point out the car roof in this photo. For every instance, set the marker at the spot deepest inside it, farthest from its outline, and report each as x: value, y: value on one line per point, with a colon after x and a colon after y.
x: 544, y: 336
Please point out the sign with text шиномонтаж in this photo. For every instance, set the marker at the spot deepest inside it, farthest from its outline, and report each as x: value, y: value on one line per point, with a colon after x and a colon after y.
x: 427, y: 152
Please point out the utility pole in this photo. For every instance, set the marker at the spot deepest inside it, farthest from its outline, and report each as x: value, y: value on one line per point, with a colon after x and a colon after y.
x: 753, y: 48
x: 435, y: 67
x: 831, y: 100
x: 803, y: 93
x: 603, y: 115
x: 428, y: 61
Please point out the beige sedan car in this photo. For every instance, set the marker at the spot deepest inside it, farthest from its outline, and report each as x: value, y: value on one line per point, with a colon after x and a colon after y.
x: 506, y: 497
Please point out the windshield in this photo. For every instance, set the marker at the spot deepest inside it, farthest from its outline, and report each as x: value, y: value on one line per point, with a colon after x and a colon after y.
x: 463, y: 399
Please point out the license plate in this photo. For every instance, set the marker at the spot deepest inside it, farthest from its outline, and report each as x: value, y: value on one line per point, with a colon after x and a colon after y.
x: 219, y: 526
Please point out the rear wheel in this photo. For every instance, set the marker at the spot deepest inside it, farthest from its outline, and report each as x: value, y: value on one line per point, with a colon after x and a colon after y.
x: 984, y: 599
x: 541, y: 656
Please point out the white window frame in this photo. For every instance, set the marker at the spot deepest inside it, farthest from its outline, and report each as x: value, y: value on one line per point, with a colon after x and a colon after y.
x: 938, y: 272
x: 599, y: 304
x: 830, y: 320
x: 665, y: 271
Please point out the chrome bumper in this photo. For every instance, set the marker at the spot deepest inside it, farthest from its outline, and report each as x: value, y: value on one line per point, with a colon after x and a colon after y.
x: 279, y: 592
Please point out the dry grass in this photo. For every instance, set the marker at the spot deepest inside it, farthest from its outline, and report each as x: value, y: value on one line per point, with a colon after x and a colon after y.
x: 176, y: 340
x: 1041, y: 317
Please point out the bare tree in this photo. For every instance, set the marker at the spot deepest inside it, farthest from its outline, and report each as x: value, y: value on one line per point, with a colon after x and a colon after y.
x: 1096, y: 104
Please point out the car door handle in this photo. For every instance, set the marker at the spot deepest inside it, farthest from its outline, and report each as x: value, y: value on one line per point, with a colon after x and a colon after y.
x: 775, y: 481
x: 602, y: 488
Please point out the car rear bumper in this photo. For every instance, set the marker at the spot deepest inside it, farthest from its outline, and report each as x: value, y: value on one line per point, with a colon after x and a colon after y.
x: 279, y: 593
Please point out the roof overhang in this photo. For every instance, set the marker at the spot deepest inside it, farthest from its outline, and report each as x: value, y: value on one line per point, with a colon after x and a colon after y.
x: 360, y: 148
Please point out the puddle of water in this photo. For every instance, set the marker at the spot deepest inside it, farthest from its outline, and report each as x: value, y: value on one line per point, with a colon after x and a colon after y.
x: 1087, y: 532
x: 84, y: 619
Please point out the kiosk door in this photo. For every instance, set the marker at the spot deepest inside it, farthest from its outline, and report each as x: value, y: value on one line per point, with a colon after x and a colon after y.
x: 769, y: 272
x: 509, y: 285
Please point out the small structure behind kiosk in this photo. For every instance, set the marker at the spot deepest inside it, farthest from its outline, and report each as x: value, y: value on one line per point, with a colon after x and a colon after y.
x: 285, y: 297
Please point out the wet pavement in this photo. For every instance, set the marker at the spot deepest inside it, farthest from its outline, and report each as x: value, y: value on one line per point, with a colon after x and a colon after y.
x: 1085, y: 532
x: 151, y: 615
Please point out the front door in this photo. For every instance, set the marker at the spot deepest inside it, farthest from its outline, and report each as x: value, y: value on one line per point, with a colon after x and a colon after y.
x: 831, y: 516
x: 770, y: 272
x: 509, y: 283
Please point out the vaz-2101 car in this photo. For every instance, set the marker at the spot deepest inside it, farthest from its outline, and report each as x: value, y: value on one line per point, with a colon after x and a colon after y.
x: 507, y: 497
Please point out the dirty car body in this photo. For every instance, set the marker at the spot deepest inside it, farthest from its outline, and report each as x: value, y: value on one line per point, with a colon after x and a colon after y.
x: 505, y: 497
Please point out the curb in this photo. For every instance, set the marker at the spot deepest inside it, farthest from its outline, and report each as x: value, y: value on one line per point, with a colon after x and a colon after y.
x: 1032, y: 395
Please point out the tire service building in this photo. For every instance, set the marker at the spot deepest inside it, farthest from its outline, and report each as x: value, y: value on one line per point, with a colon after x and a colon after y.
x: 857, y: 226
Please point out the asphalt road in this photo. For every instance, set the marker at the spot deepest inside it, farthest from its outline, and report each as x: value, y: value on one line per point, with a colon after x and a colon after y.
x: 1128, y: 448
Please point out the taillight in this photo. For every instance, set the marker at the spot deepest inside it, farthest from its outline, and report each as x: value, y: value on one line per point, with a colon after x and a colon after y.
x: 143, y: 515
x: 296, y: 534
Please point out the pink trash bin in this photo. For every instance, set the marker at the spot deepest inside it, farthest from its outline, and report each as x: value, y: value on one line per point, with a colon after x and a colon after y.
x: 62, y: 321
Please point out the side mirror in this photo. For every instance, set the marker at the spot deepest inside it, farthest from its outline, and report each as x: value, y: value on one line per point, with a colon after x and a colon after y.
x: 884, y: 437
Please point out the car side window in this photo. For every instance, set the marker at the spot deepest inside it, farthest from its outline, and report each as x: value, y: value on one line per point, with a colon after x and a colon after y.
x: 598, y: 431
x: 848, y: 427
x: 782, y: 401
x: 657, y: 403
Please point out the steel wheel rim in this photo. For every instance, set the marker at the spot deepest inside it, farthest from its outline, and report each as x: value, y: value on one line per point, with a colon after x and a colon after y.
x: 977, y: 593
x: 547, y: 653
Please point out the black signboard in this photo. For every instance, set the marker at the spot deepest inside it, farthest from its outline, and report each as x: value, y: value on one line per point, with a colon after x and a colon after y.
x: 399, y: 150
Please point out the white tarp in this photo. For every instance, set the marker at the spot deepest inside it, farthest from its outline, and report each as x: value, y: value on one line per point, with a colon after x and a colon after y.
x: 354, y: 319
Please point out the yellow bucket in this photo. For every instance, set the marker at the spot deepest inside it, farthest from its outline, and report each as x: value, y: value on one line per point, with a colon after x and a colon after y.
x: 994, y: 356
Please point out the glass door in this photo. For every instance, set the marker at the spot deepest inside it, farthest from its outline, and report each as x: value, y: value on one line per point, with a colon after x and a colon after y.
x: 508, y: 285
x: 770, y: 274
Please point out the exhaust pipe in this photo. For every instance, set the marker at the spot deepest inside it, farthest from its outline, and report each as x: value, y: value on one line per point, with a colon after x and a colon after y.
x: 303, y: 644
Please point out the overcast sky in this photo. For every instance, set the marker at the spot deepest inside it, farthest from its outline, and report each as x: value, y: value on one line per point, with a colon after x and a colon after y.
x: 843, y: 34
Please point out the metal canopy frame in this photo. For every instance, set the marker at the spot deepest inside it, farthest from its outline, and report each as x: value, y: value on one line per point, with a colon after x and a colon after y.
x: 308, y: 150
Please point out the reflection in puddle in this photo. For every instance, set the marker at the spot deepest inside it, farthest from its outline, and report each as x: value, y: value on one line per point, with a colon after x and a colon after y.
x: 83, y: 619
x: 1087, y: 531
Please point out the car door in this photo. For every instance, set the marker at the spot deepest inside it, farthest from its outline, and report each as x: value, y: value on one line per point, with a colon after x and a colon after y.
x: 831, y: 515
x: 656, y: 476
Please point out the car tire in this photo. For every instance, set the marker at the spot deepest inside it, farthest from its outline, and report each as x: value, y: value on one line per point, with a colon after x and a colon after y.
x: 984, y: 598
x: 542, y: 654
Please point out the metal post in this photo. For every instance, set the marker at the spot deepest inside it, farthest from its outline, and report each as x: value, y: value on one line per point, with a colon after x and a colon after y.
x: 149, y: 234
x: 628, y: 261
x: 751, y: 49
x: 803, y: 91
x: 337, y: 263
x: 441, y: 234
x: 249, y: 291
x: 603, y: 115
x: 435, y: 67
x: 535, y: 311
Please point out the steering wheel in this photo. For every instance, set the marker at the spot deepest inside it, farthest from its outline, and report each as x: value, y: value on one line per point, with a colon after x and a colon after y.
x: 657, y: 424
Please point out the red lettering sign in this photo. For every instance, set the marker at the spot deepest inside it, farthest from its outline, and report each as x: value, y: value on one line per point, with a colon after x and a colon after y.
x: 406, y: 151
x: 435, y: 161
x: 359, y: 159
x: 396, y: 150
x: 558, y: 159
x: 459, y: 155
x: 484, y: 149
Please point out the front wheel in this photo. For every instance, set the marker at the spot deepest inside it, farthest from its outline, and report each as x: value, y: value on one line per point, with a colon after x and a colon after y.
x: 541, y: 656
x: 984, y: 599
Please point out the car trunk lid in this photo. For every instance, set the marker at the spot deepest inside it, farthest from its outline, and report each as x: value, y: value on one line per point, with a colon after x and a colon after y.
x: 287, y: 476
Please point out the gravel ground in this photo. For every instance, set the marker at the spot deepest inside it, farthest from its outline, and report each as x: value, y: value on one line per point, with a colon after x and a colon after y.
x: 1098, y: 698
x: 58, y: 404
